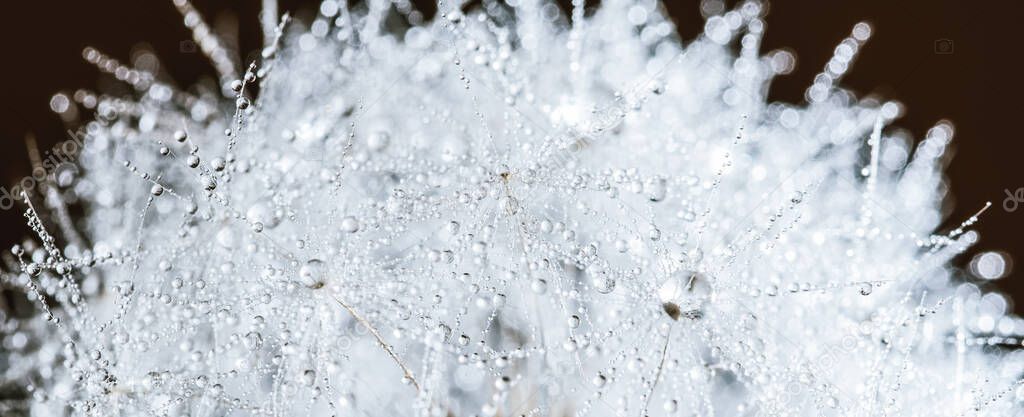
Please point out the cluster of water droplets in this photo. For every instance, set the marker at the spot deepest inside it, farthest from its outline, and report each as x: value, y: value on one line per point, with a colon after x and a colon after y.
x: 504, y: 211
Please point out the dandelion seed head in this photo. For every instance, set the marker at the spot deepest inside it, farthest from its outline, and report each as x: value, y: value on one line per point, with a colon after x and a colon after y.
x: 505, y: 211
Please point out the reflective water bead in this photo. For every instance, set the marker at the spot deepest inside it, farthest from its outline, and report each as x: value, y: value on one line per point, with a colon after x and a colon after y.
x: 656, y: 189
x: 539, y: 286
x: 349, y: 224
x: 378, y: 140
x: 308, y: 378
x: 262, y: 213
x: 604, y: 284
x: 671, y: 406
x: 502, y: 383
x: 253, y: 340
x: 654, y: 233
x: 312, y: 274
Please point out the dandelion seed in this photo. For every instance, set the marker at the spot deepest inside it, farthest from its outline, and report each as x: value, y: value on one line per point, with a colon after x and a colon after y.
x: 608, y: 218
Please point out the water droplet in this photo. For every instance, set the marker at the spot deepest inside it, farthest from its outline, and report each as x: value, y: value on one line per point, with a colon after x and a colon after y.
x: 349, y: 224
x: 263, y: 213
x: 656, y: 189
x: 308, y: 378
x: 377, y: 141
x: 253, y: 340
x: 604, y: 284
x: 312, y: 274
x: 539, y: 286
x: 654, y: 233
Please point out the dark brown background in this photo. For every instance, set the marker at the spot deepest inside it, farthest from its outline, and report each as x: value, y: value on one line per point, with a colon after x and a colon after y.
x: 978, y: 86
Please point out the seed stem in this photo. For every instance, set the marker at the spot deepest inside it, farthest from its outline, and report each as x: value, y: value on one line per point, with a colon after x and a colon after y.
x: 383, y: 344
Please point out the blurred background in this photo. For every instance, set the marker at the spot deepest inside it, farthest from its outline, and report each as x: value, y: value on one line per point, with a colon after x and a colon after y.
x: 953, y: 60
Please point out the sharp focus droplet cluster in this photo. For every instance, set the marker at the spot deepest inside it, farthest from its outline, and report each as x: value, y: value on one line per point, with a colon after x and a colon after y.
x: 502, y: 211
